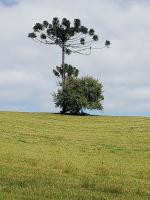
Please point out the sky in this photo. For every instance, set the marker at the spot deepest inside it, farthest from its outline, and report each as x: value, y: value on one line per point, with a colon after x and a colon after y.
x: 26, y: 79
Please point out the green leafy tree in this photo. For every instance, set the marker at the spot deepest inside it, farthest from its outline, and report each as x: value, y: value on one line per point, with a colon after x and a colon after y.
x: 79, y: 93
x: 71, y: 38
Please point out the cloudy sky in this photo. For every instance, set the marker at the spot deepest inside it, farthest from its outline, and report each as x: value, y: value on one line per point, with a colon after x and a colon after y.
x: 26, y: 79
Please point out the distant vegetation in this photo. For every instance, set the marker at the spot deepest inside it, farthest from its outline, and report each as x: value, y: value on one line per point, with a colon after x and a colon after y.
x: 62, y: 157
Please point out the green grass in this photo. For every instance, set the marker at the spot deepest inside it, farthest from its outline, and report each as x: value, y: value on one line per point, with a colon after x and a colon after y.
x: 55, y: 157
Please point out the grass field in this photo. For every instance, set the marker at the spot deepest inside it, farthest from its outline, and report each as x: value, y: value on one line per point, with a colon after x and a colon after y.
x: 47, y: 156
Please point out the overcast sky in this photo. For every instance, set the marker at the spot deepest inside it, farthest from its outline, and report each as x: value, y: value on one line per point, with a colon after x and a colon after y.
x: 26, y: 79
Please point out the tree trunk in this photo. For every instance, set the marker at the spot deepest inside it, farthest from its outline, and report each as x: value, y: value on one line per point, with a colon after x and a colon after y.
x: 63, y: 64
x: 63, y: 77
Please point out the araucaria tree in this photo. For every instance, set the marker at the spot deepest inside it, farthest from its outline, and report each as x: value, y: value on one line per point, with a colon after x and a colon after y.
x: 74, y: 93
x: 71, y: 38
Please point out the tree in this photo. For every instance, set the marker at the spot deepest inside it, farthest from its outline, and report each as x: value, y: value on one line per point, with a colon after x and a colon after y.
x: 74, y: 38
x: 79, y: 93
x: 71, y: 38
x: 69, y: 71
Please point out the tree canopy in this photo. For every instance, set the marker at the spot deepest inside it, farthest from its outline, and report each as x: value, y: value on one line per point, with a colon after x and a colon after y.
x: 78, y: 94
x: 74, y: 37
x: 70, y: 37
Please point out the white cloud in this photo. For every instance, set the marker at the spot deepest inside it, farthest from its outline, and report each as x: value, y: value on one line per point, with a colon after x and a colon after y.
x: 25, y: 66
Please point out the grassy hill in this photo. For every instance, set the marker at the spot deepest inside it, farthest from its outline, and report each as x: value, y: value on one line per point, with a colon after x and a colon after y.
x: 55, y: 157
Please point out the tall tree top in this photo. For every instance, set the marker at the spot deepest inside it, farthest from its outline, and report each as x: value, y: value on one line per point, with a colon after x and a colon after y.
x: 74, y: 38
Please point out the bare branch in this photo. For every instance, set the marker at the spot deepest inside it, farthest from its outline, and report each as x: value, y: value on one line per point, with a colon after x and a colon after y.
x: 79, y: 45
x: 98, y: 47
x: 38, y: 40
x: 91, y: 48
x: 84, y: 37
x: 79, y: 52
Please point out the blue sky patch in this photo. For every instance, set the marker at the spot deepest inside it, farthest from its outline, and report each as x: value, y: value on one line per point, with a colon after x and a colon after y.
x: 8, y: 2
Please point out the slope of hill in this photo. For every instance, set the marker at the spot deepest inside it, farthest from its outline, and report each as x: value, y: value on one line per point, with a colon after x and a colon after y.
x: 47, y: 156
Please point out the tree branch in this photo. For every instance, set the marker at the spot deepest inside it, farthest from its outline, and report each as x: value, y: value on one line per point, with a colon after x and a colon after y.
x: 86, y: 54
x: 38, y: 40
x: 75, y: 37
x: 75, y: 45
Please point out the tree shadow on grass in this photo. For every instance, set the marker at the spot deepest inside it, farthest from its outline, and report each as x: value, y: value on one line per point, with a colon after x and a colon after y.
x: 74, y: 114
